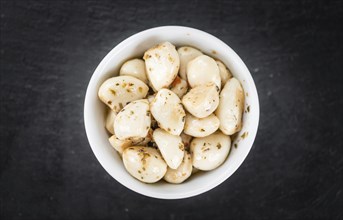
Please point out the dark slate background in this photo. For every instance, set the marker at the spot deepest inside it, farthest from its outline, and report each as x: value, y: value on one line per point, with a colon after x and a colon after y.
x: 50, y: 48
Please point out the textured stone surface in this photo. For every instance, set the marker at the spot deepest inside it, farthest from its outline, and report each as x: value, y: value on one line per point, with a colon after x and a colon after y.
x: 50, y: 48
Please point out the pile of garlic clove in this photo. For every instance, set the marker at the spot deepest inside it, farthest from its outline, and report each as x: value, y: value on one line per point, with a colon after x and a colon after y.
x: 172, y: 113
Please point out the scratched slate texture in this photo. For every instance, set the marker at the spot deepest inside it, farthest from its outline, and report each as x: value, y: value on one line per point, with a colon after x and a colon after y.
x: 49, y: 50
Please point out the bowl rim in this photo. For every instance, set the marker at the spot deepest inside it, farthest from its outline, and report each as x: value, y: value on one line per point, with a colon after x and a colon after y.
x: 99, y: 70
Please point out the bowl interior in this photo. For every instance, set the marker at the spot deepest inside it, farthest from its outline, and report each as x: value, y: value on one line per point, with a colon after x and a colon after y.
x: 135, y: 46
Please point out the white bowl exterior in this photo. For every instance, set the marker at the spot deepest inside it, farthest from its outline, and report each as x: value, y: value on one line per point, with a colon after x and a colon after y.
x: 134, y: 46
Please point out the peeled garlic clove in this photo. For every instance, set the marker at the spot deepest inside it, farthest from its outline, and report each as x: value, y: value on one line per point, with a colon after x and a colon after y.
x: 201, y: 101
x: 133, y: 121
x: 144, y: 163
x: 109, y: 124
x: 135, y: 68
x: 171, y: 147
x: 182, y: 172
x: 231, y: 105
x: 210, y: 152
x: 179, y: 87
x: 118, y: 91
x: 224, y: 72
x: 186, y: 140
x: 201, y: 127
x: 186, y: 54
x: 168, y: 111
x: 162, y: 65
x: 203, y: 70
x: 119, y: 145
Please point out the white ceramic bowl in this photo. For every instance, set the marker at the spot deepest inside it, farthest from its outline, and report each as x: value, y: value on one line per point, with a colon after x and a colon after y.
x: 134, y: 46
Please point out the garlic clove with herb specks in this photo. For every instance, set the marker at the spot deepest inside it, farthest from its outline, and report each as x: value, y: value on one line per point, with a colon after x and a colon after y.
x: 144, y: 163
x: 186, y: 54
x: 211, y: 151
x: 201, y: 127
x: 116, y: 92
x: 203, y: 70
x: 224, y: 72
x: 202, y: 101
x: 179, y: 87
x: 182, y: 173
x: 119, y: 145
x: 231, y: 105
x: 171, y: 147
x: 135, y: 68
x: 133, y: 121
x: 168, y: 111
x: 162, y: 65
